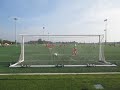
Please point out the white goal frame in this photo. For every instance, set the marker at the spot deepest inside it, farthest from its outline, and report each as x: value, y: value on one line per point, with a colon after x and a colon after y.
x: 101, y: 53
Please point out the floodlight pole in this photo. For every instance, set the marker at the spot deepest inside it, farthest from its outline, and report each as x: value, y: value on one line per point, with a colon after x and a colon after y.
x: 43, y: 32
x: 106, y: 23
x: 15, y: 19
x: 48, y: 36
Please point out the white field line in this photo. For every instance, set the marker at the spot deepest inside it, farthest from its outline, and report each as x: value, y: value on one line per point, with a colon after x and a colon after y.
x: 61, y: 73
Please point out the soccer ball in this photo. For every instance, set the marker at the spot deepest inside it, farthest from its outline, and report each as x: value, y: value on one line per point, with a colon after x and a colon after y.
x: 55, y: 54
x: 75, y: 45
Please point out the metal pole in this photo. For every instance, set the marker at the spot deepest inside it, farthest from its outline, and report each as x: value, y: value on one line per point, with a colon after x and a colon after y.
x: 43, y: 32
x: 48, y: 36
x: 15, y: 19
x: 99, y: 48
x: 22, y: 48
x: 105, y: 31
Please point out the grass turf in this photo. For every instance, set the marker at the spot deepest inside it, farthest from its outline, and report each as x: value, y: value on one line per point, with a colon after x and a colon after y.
x: 11, y: 54
x: 59, y: 82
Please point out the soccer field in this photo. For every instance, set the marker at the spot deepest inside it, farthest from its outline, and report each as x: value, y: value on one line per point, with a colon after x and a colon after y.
x: 11, y: 54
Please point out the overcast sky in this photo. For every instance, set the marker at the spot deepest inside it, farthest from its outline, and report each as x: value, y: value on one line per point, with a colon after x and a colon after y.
x: 60, y: 17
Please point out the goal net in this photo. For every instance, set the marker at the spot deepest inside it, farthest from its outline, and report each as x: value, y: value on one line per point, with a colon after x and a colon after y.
x: 61, y: 50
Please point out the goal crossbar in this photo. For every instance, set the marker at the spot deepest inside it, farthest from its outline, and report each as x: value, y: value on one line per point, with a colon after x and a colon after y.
x: 91, y: 35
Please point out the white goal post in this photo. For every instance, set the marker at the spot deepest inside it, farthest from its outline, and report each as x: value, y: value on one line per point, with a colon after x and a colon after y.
x: 61, y: 51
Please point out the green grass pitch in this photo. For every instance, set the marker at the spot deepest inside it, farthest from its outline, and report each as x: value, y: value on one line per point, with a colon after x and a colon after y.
x: 59, y: 82
x: 11, y: 54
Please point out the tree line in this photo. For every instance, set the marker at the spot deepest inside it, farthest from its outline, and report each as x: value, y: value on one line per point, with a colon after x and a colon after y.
x: 6, y: 41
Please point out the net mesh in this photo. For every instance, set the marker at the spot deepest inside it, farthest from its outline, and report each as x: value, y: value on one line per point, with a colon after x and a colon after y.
x: 68, y: 50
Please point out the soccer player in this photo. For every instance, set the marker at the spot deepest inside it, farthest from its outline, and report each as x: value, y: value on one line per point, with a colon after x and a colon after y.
x: 74, y: 51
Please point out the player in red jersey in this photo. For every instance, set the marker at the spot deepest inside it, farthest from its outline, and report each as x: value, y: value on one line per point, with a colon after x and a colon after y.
x: 74, y: 51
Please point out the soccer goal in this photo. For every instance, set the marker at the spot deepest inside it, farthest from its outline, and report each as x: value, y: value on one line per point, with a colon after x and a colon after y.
x: 61, y: 51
